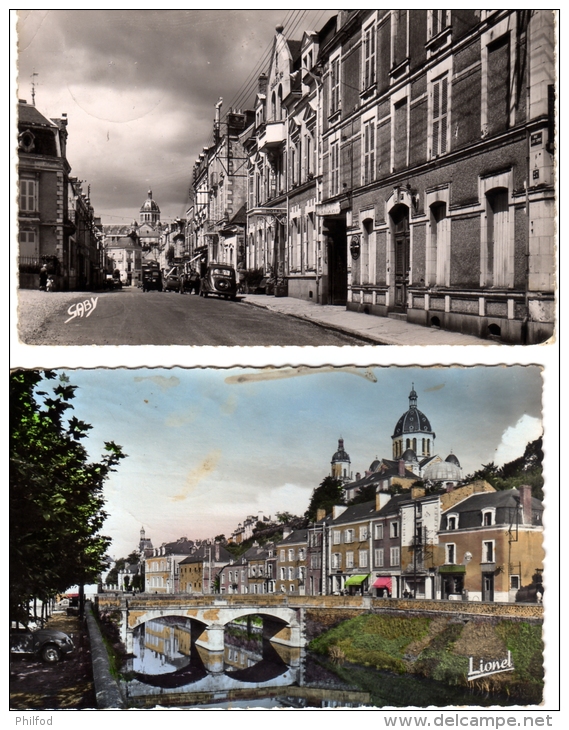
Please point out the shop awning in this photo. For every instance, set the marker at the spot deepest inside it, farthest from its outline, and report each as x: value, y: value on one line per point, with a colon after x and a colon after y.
x: 356, y: 580
x: 383, y: 582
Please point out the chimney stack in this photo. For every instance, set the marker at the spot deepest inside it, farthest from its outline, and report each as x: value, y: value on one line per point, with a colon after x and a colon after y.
x: 263, y: 83
x: 381, y: 499
x: 320, y: 514
x: 417, y: 492
x: 401, y: 468
x: 525, y: 501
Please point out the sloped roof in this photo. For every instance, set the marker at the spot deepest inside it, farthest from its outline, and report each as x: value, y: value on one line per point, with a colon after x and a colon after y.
x: 294, y: 537
x: 28, y: 114
x: 355, y: 512
x: 505, y: 498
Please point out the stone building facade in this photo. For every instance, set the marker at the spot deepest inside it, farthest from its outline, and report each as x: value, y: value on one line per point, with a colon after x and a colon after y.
x: 401, y: 163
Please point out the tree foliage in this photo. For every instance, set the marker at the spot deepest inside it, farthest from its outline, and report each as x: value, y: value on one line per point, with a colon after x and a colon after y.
x: 56, y: 493
x: 325, y: 496
x: 526, y: 469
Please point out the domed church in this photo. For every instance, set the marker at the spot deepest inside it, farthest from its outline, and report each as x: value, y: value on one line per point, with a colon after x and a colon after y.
x: 149, y: 211
x: 413, y: 441
x: 413, y: 457
x: 150, y: 228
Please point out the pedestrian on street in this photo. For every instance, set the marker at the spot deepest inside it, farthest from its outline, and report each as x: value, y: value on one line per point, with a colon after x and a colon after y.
x: 43, y: 278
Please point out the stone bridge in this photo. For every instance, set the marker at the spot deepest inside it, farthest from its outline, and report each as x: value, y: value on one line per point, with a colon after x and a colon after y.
x: 283, y: 623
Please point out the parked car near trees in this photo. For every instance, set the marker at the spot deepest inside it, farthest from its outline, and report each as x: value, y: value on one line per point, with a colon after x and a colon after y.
x: 50, y: 645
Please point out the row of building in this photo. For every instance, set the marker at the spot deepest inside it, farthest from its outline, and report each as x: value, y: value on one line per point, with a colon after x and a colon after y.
x: 399, y: 163
x: 471, y: 542
x: 425, y: 533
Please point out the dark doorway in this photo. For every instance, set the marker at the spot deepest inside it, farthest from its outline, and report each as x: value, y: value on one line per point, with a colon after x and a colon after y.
x: 400, y: 218
x: 487, y: 586
x: 337, y: 261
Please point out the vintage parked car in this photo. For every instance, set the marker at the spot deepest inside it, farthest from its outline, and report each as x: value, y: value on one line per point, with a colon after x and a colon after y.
x: 48, y: 644
x: 172, y: 283
x: 219, y: 279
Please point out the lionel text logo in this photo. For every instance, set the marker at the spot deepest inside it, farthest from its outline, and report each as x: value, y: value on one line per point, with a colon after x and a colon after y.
x: 492, y: 666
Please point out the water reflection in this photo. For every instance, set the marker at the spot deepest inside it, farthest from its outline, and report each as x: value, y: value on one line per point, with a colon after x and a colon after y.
x: 168, y: 668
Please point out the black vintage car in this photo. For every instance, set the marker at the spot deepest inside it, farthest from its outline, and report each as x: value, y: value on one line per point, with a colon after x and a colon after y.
x: 219, y: 279
x: 48, y: 644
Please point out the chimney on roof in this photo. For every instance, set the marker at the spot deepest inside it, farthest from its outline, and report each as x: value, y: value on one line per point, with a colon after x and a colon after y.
x: 381, y: 499
x: 263, y: 83
x: 401, y: 468
x: 286, y: 532
x: 320, y: 514
x: 358, y: 476
x: 337, y: 510
x: 525, y: 501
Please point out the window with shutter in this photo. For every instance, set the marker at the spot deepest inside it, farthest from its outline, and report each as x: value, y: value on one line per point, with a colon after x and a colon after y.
x: 334, y: 85
x: 369, y: 152
x: 369, y: 58
x: 28, y: 201
x: 439, y: 123
x: 334, y: 168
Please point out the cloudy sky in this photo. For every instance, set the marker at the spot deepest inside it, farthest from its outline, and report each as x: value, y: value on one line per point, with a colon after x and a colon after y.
x: 139, y: 88
x: 208, y: 447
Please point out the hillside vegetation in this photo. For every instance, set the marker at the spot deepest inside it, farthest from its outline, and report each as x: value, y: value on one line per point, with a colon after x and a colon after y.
x: 439, y: 649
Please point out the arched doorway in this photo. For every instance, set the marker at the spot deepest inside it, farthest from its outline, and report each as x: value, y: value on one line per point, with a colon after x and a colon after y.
x: 401, y: 255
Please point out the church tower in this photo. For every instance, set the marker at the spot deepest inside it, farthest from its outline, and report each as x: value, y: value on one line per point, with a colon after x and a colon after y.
x: 413, y: 433
x: 341, y: 464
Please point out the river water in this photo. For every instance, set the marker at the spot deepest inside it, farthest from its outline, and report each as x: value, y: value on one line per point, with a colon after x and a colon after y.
x: 168, y: 668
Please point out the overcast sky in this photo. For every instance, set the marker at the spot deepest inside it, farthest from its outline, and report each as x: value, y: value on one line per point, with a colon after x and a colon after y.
x: 139, y: 88
x: 208, y: 447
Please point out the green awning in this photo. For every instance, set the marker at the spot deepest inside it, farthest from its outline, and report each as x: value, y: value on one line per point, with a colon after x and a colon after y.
x: 452, y: 569
x: 356, y: 580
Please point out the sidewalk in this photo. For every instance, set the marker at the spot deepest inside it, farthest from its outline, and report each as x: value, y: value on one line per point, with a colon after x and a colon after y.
x: 379, y: 330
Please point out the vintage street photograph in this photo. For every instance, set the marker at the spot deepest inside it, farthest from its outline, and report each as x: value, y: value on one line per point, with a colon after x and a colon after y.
x: 273, y: 177
x: 281, y: 538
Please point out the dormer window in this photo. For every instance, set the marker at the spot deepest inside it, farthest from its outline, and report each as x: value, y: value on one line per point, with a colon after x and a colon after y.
x: 488, y: 517
x: 452, y: 523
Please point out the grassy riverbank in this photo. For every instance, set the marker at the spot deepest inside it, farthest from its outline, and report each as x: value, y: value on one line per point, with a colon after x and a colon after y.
x: 439, y: 649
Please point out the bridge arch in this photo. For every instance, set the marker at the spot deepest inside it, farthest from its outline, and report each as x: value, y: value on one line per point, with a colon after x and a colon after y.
x: 281, y: 624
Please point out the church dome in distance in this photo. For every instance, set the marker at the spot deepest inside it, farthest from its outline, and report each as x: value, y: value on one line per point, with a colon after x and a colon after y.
x: 451, y: 459
x: 149, y: 205
x: 341, y: 454
x: 374, y: 466
x: 443, y: 471
x: 413, y: 420
x: 409, y: 455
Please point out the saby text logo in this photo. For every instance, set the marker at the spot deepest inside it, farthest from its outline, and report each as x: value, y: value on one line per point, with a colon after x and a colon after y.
x: 82, y: 309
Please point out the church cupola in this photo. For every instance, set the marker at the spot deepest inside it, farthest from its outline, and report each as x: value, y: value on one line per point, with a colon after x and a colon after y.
x: 413, y: 431
x: 149, y: 211
x: 341, y: 464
